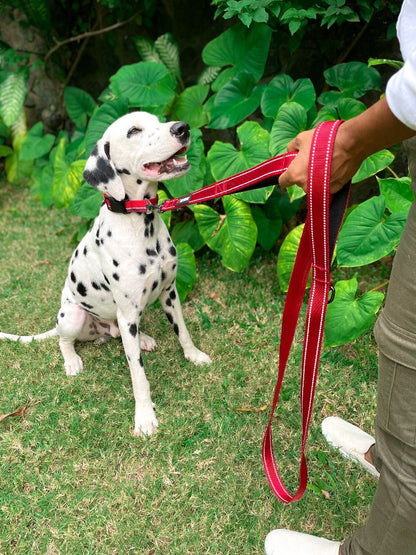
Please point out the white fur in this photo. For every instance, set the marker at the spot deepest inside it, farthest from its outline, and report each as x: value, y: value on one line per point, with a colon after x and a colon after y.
x: 126, y: 261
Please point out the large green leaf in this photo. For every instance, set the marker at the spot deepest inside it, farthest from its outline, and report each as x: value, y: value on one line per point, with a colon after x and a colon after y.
x: 373, y: 164
x: 397, y: 192
x: 268, y: 229
x: 345, y: 108
x: 189, y: 106
x: 242, y: 49
x: 145, y: 85
x: 235, y: 101
x: 102, y: 118
x: 35, y: 145
x: 225, y: 160
x: 67, y: 178
x: 186, y: 273
x: 282, y: 89
x: 186, y: 231
x: 291, y: 120
x: 367, y: 234
x: 87, y: 201
x: 347, y: 317
x: 233, y: 235
x: 353, y: 79
x: 13, y: 88
x: 79, y: 104
x: 287, y: 256
x: 194, y: 178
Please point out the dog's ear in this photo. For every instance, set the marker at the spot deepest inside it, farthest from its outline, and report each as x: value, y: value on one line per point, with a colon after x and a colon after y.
x: 101, y: 173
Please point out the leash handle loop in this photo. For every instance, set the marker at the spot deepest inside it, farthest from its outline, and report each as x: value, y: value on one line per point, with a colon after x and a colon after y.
x: 314, y: 252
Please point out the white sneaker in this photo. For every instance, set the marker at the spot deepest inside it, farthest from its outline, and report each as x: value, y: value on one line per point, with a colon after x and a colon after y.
x: 351, y: 441
x: 286, y: 542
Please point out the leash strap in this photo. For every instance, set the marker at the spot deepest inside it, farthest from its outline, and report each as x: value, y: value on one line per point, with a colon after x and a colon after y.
x: 314, y: 251
x: 262, y: 175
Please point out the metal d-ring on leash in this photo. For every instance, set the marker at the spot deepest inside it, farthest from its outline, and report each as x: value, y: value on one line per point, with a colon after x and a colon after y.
x: 325, y: 215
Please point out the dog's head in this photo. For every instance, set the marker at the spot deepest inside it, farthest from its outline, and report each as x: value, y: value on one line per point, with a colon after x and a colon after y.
x: 138, y: 144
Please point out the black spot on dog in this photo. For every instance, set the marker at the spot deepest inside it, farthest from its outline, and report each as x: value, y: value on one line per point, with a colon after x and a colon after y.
x: 106, y: 279
x: 97, y: 242
x: 86, y: 305
x: 151, y: 252
x: 172, y: 295
x: 123, y: 171
x: 109, y: 234
x: 169, y: 317
x: 141, y: 361
x: 172, y: 250
x: 116, y: 276
x: 154, y: 285
x: 62, y: 315
x: 142, y: 268
x: 133, y: 329
x: 102, y: 174
x: 139, y: 182
x: 157, y: 246
x: 168, y: 302
x: 148, y: 218
x: 73, y: 278
x: 95, y: 151
x: 82, y: 290
x: 85, y: 251
x: 76, y: 253
x: 105, y: 287
x: 163, y: 276
x: 107, y: 149
x: 115, y: 263
x: 95, y: 285
x: 176, y: 329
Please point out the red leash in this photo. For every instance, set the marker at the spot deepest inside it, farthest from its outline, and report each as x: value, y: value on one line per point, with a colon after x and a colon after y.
x: 262, y: 175
x: 325, y: 215
x: 314, y: 251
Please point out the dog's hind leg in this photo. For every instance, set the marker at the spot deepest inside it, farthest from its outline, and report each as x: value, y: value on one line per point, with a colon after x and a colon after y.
x: 173, y: 310
x: 70, y: 323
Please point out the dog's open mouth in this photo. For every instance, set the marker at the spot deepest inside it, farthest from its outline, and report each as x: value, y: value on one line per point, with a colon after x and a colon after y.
x: 178, y: 163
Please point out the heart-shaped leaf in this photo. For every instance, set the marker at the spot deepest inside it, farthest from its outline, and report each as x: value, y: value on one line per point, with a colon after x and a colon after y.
x: 243, y: 49
x: 397, y: 192
x: 287, y: 256
x: 67, y: 178
x: 145, y: 85
x: 367, y: 234
x: 35, y: 145
x: 232, y: 235
x: 79, y: 104
x: 186, y: 273
x: 291, y: 120
x: 102, y: 118
x: 345, y: 108
x: 373, y: 164
x: 282, y: 89
x: 13, y: 90
x: 268, y: 229
x: 353, y: 79
x: 86, y: 202
x: 347, y: 317
x: 189, y: 106
x: 235, y: 101
x: 225, y: 160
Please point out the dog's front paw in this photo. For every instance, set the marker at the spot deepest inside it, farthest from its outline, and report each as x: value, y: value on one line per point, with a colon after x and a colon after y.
x: 147, y: 343
x: 197, y: 357
x: 73, y: 365
x: 145, y: 423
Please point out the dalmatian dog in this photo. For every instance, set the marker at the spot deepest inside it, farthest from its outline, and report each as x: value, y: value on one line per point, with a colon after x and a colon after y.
x: 126, y: 261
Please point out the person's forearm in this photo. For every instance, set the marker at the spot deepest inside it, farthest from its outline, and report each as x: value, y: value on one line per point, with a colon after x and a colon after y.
x: 356, y: 139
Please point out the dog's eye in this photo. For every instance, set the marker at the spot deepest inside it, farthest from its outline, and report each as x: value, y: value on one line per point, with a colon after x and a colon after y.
x: 133, y: 131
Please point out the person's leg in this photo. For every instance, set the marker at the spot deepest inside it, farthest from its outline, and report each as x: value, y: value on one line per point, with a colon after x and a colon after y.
x: 391, y: 527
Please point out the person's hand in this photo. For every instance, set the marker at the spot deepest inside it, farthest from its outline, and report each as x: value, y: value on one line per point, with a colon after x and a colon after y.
x: 343, y: 167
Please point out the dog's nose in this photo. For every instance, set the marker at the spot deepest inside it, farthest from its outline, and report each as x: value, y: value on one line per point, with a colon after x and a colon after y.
x: 180, y: 130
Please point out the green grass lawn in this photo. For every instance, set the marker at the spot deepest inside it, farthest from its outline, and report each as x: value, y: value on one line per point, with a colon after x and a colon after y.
x: 73, y: 478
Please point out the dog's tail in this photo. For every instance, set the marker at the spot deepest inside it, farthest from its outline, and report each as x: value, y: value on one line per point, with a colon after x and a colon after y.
x: 29, y: 338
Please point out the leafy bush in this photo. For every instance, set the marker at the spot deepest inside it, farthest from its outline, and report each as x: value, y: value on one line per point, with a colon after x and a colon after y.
x: 231, y: 94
